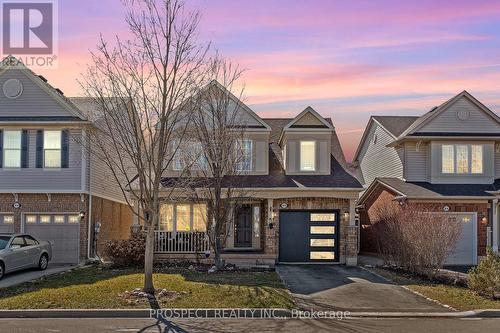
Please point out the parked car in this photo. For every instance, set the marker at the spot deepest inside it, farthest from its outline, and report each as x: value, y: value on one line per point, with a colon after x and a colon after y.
x: 21, y: 251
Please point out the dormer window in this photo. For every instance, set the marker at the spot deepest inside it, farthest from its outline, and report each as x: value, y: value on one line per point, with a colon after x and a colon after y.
x: 462, y: 159
x: 307, y: 155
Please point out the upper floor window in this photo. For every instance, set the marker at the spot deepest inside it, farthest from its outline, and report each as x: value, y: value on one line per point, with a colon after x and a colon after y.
x: 307, y: 155
x: 245, y: 155
x: 462, y: 159
x: 52, y: 149
x: 191, y: 155
x: 12, y: 149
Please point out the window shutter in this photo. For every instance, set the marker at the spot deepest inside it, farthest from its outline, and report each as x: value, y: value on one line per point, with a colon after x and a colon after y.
x: 1, y: 149
x: 65, y: 149
x: 39, y: 148
x: 24, y: 149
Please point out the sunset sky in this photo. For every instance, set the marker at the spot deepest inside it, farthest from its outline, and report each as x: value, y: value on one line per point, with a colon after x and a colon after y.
x: 346, y: 59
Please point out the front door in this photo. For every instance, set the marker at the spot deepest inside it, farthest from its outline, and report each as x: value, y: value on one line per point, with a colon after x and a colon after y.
x: 243, y: 227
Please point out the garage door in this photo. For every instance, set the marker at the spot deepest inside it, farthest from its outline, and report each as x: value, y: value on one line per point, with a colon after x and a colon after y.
x: 465, y: 252
x: 6, y: 223
x: 62, y: 230
x: 309, y: 236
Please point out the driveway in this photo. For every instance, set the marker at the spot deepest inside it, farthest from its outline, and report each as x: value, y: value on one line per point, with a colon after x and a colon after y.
x: 329, y: 287
x: 19, y: 277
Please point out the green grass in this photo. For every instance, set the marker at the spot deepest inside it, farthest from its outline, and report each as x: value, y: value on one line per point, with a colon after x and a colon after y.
x: 457, y: 297
x: 98, y: 288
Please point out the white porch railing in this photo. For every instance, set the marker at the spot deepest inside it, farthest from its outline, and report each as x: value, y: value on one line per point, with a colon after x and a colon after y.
x: 181, y: 242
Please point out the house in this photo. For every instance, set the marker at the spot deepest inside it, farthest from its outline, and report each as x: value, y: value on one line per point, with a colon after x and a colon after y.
x: 449, y: 159
x: 301, y: 199
x: 50, y: 185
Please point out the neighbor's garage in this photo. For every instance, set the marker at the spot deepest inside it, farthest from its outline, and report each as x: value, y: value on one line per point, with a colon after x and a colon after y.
x: 308, y: 236
x: 62, y: 230
x: 6, y: 223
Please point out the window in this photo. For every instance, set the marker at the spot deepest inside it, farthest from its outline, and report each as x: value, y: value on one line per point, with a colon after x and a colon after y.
x: 323, y: 217
x: 462, y: 159
x: 322, y: 255
x: 30, y: 219
x: 200, y: 160
x: 323, y: 242
x: 30, y: 241
x: 8, y: 219
x: 245, y: 155
x: 307, y: 155
x: 18, y: 241
x: 166, y: 217
x: 12, y: 149
x: 183, y: 217
x: 52, y: 149
x: 284, y: 157
x: 73, y: 218
x: 322, y: 230
x: 45, y: 219
x: 59, y: 219
x: 199, y: 217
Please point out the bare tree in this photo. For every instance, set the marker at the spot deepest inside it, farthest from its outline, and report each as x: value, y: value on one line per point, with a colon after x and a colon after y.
x: 138, y: 85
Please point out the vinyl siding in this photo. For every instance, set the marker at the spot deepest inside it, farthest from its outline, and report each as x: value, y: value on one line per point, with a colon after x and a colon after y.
x: 45, y: 180
x: 377, y: 160
x: 417, y: 163
x: 447, y: 121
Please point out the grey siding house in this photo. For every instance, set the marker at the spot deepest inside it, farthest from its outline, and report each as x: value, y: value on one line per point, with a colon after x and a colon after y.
x: 50, y: 185
x: 447, y: 158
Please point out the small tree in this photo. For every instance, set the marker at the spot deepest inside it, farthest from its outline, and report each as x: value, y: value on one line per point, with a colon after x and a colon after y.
x: 138, y: 85
x: 485, y: 278
x: 415, y: 238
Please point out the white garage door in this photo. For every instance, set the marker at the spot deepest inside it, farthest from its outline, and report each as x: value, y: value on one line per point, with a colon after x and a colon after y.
x: 62, y: 230
x: 465, y: 252
x: 6, y: 223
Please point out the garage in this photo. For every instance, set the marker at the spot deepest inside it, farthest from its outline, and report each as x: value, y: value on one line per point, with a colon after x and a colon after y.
x: 465, y: 252
x: 308, y: 236
x: 62, y: 230
x: 6, y: 223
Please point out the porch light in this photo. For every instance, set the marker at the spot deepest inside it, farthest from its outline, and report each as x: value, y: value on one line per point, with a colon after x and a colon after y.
x: 82, y: 214
x: 346, y: 216
x: 484, y: 219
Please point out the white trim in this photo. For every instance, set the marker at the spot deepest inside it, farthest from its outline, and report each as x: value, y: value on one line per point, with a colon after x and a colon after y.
x: 314, y: 113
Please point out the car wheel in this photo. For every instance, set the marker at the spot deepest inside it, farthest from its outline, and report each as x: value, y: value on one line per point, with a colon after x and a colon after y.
x: 43, y: 263
x: 2, y: 271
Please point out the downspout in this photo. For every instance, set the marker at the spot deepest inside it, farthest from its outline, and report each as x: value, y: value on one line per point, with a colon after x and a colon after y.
x: 494, y: 225
x: 89, y: 209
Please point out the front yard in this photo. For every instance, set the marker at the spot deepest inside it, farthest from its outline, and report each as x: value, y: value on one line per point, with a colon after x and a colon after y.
x: 459, y: 298
x: 99, y: 288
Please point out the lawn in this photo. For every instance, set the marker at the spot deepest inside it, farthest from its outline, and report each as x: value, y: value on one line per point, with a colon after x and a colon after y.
x: 99, y: 288
x: 459, y: 298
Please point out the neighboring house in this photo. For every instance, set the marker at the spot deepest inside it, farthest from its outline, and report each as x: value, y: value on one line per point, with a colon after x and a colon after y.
x: 301, y: 205
x: 50, y: 186
x: 447, y: 158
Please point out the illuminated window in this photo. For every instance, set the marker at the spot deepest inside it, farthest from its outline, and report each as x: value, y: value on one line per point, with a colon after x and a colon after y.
x: 322, y: 255
x: 322, y: 242
x: 45, y: 219
x: 183, y: 217
x: 462, y: 159
x: 30, y: 218
x: 477, y: 158
x: 317, y: 217
x: 245, y: 155
x: 448, y: 159
x: 59, y: 219
x: 52, y: 149
x: 187, y: 217
x: 74, y: 219
x: 307, y: 155
x: 322, y: 230
x: 200, y: 217
x: 166, y: 217
x: 8, y: 219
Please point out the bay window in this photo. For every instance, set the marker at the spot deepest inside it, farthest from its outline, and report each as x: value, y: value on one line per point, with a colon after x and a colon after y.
x: 307, y: 155
x: 183, y: 217
x: 12, y: 149
x: 461, y: 159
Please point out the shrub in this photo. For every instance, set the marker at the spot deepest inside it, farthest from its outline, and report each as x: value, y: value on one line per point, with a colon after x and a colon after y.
x: 126, y: 252
x: 414, y: 238
x: 485, y: 278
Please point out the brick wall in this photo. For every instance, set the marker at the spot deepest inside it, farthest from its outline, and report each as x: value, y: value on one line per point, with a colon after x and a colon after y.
x: 347, y: 247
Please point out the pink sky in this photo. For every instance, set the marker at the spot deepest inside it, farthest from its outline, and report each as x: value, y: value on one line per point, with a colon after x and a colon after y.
x: 346, y: 59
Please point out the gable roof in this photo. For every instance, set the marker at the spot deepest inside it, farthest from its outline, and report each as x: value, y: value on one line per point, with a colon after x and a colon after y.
x: 309, y: 110
x: 12, y: 63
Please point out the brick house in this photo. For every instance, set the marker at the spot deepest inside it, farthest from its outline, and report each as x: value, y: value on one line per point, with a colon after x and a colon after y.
x: 447, y: 160
x: 301, y: 199
x: 50, y: 186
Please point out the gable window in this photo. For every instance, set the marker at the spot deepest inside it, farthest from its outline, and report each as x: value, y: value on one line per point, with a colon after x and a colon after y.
x: 245, y: 155
x: 462, y: 159
x: 307, y: 155
x: 52, y: 149
x: 12, y: 149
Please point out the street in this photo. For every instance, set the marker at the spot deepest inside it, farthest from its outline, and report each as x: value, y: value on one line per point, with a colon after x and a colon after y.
x: 406, y: 325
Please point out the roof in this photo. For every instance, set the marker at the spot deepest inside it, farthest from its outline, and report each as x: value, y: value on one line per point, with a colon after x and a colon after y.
x: 42, y: 118
x: 425, y: 190
x: 395, y: 124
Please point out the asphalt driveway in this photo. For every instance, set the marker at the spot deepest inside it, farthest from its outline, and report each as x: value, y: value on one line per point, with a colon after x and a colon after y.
x: 336, y: 287
x: 19, y: 277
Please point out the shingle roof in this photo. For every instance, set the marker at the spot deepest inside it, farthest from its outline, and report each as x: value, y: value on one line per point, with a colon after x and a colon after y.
x: 42, y: 118
x: 396, y: 124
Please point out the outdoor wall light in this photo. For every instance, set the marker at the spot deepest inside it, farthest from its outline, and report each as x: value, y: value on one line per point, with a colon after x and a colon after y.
x: 346, y: 216
x: 82, y: 214
x: 484, y: 220
x: 271, y: 225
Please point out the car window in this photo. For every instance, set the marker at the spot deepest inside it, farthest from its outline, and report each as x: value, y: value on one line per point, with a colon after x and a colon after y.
x: 30, y: 241
x: 4, y: 240
x: 18, y: 241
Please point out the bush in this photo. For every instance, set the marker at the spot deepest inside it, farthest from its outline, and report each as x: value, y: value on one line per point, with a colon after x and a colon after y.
x: 127, y: 252
x: 485, y: 278
x: 414, y: 238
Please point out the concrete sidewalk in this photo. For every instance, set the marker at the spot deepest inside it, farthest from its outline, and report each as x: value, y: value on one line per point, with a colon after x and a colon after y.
x: 19, y: 277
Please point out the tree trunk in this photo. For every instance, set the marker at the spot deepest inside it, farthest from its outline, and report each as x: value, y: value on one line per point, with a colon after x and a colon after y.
x: 218, y: 261
x: 148, y: 257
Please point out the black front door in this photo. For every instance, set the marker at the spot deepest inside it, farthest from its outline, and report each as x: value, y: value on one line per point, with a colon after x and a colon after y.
x: 243, y: 227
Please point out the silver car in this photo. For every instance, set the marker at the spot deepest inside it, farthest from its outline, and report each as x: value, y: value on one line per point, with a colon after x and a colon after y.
x: 21, y: 251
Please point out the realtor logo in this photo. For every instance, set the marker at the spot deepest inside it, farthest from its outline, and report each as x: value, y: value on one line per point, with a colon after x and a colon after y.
x: 28, y: 27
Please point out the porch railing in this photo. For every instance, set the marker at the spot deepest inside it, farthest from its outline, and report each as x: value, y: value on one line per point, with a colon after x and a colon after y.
x: 181, y: 242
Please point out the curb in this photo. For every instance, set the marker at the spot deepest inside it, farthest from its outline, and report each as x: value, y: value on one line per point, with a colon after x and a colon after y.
x: 165, y: 314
